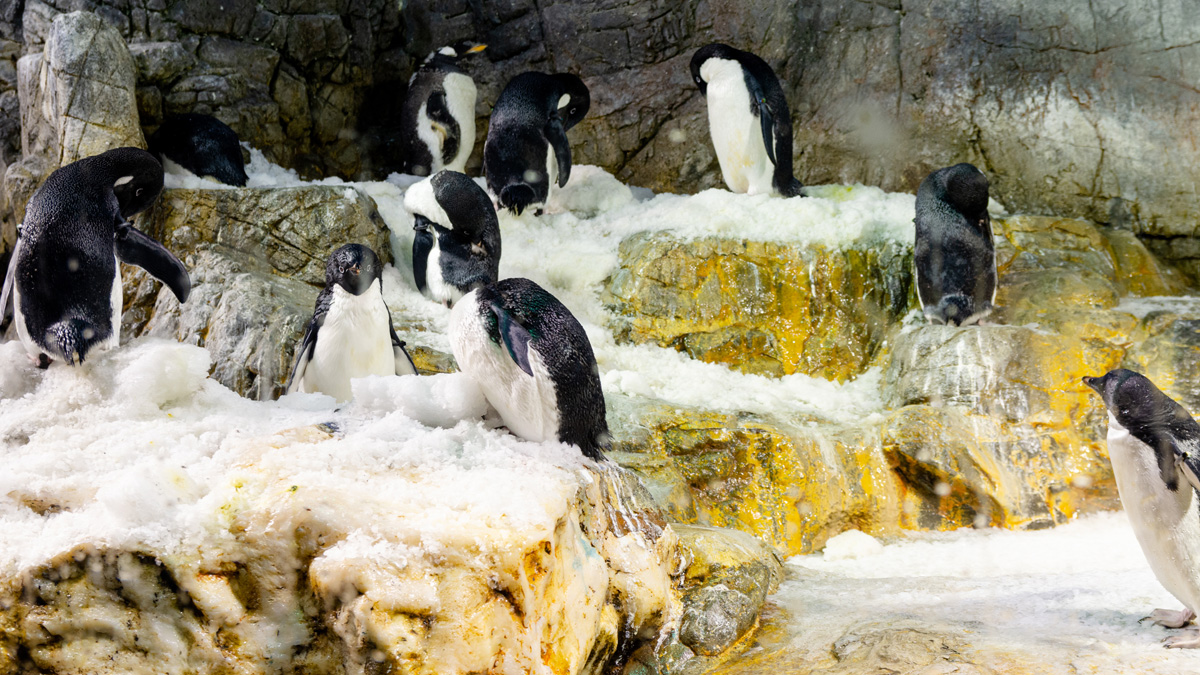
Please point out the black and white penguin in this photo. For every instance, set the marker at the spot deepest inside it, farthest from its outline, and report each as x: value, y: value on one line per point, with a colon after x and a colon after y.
x: 456, y: 247
x: 63, y: 276
x: 533, y: 362
x: 954, y: 256
x: 527, y: 152
x: 438, y: 118
x: 749, y: 120
x: 1154, y: 447
x: 202, y: 144
x: 351, y: 333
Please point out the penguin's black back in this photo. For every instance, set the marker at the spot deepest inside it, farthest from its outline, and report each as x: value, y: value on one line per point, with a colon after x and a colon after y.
x: 202, y: 144
x: 954, y: 252
x: 68, y: 257
x: 564, y: 348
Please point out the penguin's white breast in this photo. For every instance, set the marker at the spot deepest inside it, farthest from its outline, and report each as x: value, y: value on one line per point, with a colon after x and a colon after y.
x: 460, y: 99
x: 1166, y: 523
x: 116, y: 301
x: 527, y: 404
x: 354, y: 341
x: 430, y: 136
x: 736, y: 132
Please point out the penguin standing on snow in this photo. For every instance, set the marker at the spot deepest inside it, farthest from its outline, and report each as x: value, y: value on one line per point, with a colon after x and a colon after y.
x: 456, y: 248
x: 1154, y: 446
x: 351, y: 333
x: 954, y: 255
x: 749, y: 120
x: 64, y: 276
x: 533, y: 362
x: 438, y: 118
x: 527, y: 152
x: 202, y: 144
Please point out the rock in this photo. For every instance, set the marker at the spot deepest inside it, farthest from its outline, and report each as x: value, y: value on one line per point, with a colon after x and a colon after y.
x: 761, y: 307
x: 77, y: 100
x: 257, y: 259
x: 160, y: 63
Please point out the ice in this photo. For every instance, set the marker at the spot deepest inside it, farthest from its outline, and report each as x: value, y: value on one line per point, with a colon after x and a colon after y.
x: 851, y: 544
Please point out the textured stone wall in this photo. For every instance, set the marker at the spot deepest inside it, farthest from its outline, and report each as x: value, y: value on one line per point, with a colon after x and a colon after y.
x: 1077, y: 109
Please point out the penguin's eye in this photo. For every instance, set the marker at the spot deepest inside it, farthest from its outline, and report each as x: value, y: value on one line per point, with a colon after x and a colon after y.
x: 138, y: 193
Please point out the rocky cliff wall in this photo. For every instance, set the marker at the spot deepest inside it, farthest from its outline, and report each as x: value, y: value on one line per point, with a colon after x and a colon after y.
x: 1077, y: 109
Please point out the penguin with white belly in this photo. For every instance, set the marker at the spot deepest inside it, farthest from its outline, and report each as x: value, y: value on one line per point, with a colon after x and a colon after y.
x: 748, y: 119
x: 456, y: 247
x: 64, y: 275
x: 1154, y: 447
x: 534, y: 363
x: 527, y: 152
x: 438, y: 118
x: 351, y: 333
x: 954, y: 255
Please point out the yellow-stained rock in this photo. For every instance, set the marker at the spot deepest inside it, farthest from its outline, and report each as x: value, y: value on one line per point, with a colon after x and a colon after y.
x: 761, y: 307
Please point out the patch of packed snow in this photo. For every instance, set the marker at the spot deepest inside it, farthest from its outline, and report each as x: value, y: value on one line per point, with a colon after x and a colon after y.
x: 1069, y: 598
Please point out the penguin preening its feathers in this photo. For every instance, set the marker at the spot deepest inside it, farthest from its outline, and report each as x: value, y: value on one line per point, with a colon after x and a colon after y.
x: 63, y: 276
x: 1154, y: 448
x: 534, y: 363
x: 351, y: 333
x: 202, y: 144
x: 749, y: 120
x: 527, y: 152
x: 456, y: 244
x: 954, y: 255
x: 438, y: 117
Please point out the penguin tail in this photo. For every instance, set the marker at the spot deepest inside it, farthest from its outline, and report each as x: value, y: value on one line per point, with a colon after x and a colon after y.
x: 73, y: 339
x: 794, y: 188
x: 516, y: 197
x: 957, y: 309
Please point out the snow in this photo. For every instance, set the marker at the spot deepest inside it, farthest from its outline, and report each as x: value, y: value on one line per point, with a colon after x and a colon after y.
x: 1069, y: 597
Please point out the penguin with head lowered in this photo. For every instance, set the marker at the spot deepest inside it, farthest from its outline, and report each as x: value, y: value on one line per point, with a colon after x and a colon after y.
x: 202, y: 144
x: 64, y: 275
x: 456, y: 247
x: 533, y: 362
x: 351, y: 333
x: 438, y: 117
x: 749, y: 120
x: 527, y: 152
x: 954, y: 255
x: 1154, y: 447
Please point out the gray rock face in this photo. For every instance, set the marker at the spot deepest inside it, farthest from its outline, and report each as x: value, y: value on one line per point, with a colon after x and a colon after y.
x: 257, y: 259
x: 77, y: 100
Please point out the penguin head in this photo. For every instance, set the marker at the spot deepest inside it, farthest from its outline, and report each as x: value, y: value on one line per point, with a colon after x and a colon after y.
x: 715, y: 50
x: 354, y: 267
x: 73, y: 339
x: 462, y: 48
x: 574, y: 99
x: 963, y: 187
x: 1131, y: 397
x: 136, y: 177
x: 458, y: 207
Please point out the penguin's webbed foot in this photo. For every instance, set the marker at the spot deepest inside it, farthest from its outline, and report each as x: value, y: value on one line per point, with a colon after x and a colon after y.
x: 41, y: 361
x: 1189, y: 639
x: 1169, y: 618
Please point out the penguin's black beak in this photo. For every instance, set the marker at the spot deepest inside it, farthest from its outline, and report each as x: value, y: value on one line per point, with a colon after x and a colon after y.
x: 356, y: 270
x: 1095, y: 383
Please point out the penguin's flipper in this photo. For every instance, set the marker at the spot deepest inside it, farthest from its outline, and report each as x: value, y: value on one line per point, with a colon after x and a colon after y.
x: 404, y: 362
x: 766, y: 116
x: 307, y: 346
x: 135, y: 248
x: 516, y: 338
x: 556, y: 135
x: 444, y: 124
x: 10, y: 278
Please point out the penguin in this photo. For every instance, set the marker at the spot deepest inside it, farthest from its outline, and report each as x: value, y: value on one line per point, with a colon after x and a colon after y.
x: 456, y: 248
x: 202, y: 144
x: 749, y: 120
x: 526, y: 152
x: 954, y: 256
x: 63, y: 277
x: 1154, y: 447
x: 438, y: 117
x: 351, y: 333
x: 533, y: 362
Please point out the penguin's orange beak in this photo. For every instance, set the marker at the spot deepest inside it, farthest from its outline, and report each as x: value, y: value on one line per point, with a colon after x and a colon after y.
x: 355, y: 270
x: 476, y: 49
